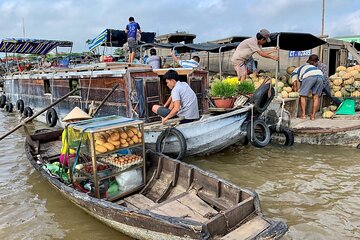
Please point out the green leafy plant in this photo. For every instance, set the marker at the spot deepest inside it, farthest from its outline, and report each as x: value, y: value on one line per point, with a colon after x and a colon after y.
x: 223, y: 89
x: 246, y: 87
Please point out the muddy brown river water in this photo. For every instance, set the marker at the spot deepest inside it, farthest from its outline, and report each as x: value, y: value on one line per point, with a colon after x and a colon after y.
x: 314, y: 189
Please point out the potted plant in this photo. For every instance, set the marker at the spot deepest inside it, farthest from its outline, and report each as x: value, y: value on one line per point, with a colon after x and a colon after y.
x: 246, y: 88
x: 223, y: 92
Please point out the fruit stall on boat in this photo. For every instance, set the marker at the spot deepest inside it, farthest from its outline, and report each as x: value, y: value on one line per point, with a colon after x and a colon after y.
x: 145, y: 195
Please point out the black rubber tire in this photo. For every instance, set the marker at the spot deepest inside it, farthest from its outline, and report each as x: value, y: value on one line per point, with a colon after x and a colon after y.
x: 28, y: 112
x: 20, y: 105
x: 260, y: 98
x: 258, y: 141
x: 288, y: 134
x: 2, y: 101
x: 177, y: 134
x: 51, y: 117
x: 9, y: 107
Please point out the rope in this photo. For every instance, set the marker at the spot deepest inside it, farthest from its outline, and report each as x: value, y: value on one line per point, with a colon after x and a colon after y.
x: 240, y: 101
x: 281, y: 114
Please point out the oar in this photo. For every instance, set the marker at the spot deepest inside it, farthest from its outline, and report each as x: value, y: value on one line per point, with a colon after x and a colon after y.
x: 104, y: 100
x: 37, y: 114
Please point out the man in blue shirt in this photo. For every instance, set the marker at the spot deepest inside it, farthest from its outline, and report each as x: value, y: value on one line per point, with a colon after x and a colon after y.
x: 131, y: 30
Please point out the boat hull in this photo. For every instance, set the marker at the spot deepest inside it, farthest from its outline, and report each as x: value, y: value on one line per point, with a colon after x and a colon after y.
x: 206, y: 136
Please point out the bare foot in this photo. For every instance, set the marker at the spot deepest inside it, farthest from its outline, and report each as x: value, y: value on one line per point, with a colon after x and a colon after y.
x: 312, y: 118
x: 303, y: 117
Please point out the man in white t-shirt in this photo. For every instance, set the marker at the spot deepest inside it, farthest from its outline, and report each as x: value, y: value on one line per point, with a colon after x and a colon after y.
x: 182, y: 102
x: 247, y: 48
x: 154, y: 61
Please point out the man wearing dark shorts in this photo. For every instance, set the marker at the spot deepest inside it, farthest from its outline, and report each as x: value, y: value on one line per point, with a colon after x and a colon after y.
x: 311, y: 79
x: 182, y: 102
x: 131, y: 30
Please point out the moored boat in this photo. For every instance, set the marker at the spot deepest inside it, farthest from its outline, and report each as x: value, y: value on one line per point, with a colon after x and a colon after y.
x: 178, y: 201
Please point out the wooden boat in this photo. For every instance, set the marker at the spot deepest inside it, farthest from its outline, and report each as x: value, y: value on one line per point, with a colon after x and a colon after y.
x: 179, y: 201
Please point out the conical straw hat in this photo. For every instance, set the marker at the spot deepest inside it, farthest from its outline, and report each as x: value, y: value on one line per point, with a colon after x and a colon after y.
x: 75, y: 114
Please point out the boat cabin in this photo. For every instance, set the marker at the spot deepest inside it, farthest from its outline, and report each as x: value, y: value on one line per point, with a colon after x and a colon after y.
x: 140, y: 87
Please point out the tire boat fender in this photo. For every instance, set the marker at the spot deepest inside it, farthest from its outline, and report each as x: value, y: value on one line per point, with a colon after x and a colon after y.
x: 2, y: 101
x: 261, y: 98
x: 178, y: 135
x: 51, y: 117
x: 256, y: 140
x: 289, y: 136
x: 28, y: 112
x: 20, y: 105
x: 9, y: 107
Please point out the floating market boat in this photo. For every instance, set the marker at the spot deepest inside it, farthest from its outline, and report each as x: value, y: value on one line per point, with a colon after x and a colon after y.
x: 178, y: 200
x: 139, y: 88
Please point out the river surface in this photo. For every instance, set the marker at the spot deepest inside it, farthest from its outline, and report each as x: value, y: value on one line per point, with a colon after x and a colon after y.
x: 314, y: 189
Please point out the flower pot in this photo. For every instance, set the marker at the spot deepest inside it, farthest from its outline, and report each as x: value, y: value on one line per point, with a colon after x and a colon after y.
x: 224, y: 102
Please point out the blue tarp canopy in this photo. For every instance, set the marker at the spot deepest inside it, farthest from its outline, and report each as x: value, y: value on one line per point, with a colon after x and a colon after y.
x: 117, y: 38
x: 31, y: 46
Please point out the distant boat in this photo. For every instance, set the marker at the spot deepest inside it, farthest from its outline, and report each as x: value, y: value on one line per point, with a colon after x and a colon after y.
x: 179, y: 201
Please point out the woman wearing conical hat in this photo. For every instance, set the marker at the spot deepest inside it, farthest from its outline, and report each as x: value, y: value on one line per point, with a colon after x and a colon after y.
x: 74, y: 116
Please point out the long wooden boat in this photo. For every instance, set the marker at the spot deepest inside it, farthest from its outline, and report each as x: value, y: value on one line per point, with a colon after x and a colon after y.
x: 179, y: 201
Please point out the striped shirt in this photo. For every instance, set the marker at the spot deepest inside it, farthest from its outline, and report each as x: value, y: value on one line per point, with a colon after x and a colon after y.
x: 304, y: 71
x: 189, y: 63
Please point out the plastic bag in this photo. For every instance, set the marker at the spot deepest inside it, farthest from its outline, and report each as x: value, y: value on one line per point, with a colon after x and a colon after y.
x: 129, y: 179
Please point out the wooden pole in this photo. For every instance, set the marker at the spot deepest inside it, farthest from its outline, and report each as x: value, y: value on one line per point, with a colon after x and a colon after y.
x: 37, y: 114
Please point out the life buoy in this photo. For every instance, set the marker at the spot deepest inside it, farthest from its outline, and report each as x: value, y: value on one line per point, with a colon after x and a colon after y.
x: 9, y: 107
x: 2, y: 101
x: 20, y: 105
x: 261, y: 98
x: 175, y: 136
x: 260, y: 133
x: 288, y: 134
x: 51, y: 117
x: 28, y: 112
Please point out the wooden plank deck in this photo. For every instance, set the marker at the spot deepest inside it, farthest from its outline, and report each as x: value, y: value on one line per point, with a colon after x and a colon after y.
x: 249, y: 230
x: 51, y: 150
x: 188, y: 206
x: 139, y: 201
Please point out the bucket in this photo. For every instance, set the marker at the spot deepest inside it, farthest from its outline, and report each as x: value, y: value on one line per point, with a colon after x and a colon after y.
x: 347, y: 107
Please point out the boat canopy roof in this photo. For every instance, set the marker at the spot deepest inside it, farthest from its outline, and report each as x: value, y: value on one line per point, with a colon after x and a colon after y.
x: 117, y: 38
x: 31, y: 46
x: 293, y: 41
x: 207, y: 46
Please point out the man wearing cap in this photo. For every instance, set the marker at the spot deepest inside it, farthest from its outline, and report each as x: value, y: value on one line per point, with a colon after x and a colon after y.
x: 74, y: 116
x: 247, y: 48
x: 311, y: 79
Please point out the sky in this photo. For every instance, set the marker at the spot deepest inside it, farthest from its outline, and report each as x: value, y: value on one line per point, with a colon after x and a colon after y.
x: 79, y: 20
